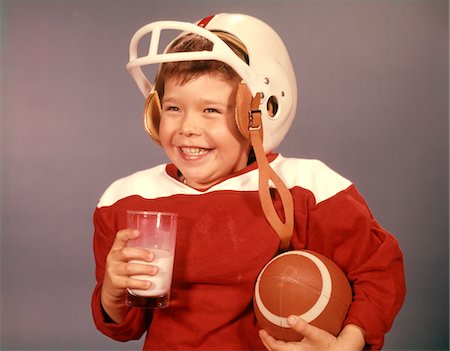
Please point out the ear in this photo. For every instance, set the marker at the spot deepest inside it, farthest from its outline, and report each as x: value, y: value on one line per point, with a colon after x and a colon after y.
x: 152, y: 115
x: 245, y: 103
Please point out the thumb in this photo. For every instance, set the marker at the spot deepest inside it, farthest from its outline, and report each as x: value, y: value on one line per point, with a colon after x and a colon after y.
x: 302, y: 327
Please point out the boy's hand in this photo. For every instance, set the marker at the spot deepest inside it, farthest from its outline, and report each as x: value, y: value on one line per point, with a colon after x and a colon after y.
x: 118, y: 272
x: 316, y: 339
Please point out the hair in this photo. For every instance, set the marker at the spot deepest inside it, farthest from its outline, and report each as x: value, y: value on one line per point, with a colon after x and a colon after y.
x: 185, y: 71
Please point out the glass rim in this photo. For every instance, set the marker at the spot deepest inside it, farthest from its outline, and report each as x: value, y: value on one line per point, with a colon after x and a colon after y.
x: 145, y: 212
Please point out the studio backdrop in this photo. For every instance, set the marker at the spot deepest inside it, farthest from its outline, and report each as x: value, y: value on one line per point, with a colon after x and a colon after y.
x: 373, y: 105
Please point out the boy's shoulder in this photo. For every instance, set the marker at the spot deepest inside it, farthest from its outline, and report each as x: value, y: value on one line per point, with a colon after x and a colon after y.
x: 312, y: 175
x: 138, y: 183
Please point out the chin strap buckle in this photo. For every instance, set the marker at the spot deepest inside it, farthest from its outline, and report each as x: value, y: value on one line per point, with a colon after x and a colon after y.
x: 254, y: 120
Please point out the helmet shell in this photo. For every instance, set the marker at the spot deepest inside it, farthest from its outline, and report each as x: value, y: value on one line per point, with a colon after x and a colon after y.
x: 270, y: 61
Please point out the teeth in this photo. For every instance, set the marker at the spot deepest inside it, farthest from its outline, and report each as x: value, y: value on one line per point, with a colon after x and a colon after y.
x: 194, y: 150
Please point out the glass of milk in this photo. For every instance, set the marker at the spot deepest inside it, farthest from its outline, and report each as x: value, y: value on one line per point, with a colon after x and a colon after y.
x: 158, y: 235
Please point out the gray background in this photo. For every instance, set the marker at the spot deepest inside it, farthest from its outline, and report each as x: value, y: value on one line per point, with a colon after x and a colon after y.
x: 373, y: 83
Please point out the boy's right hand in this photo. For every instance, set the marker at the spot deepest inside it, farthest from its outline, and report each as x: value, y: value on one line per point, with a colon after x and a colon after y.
x: 119, y: 269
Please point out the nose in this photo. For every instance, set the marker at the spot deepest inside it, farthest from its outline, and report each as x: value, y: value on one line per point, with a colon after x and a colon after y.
x: 190, y: 124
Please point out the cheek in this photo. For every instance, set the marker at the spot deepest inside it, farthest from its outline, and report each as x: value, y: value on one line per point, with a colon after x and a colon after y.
x: 238, y: 139
x: 165, y: 139
x: 236, y: 145
x: 230, y: 127
x: 164, y: 131
x: 166, y: 143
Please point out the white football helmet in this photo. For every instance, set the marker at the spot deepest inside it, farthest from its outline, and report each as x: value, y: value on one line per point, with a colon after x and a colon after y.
x: 268, y: 72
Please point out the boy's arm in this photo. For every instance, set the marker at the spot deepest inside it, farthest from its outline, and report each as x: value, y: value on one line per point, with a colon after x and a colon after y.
x: 132, y: 327
x: 132, y: 322
x: 343, y: 229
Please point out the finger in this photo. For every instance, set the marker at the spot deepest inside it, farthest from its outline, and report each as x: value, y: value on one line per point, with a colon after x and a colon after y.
x: 307, y: 330
x: 120, y: 265
x: 123, y: 236
x: 138, y: 284
x: 265, y: 339
x: 118, y: 273
x: 124, y: 282
x: 138, y: 268
x: 127, y: 254
x: 271, y: 343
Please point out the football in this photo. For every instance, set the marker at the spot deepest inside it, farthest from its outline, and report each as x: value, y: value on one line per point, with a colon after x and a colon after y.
x: 301, y: 283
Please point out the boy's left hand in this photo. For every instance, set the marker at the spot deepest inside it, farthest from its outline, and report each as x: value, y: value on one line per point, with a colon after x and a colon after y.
x: 315, y: 339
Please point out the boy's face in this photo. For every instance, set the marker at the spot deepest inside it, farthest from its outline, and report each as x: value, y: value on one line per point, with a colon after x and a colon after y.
x: 198, y: 131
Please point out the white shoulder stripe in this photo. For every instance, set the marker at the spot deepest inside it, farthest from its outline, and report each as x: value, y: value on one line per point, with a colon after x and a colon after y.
x: 150, y: 184
x: 312, y: 175
x: 154, y: 183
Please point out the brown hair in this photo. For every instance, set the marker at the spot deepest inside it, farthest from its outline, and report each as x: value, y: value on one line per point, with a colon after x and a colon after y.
x: 187, y: 70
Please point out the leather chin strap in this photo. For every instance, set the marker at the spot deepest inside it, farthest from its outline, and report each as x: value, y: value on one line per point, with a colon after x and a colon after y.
x: 249, y: 122
x: 248, y: 119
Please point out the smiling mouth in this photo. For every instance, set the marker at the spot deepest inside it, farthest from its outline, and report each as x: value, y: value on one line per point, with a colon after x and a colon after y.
x: 194, y: 151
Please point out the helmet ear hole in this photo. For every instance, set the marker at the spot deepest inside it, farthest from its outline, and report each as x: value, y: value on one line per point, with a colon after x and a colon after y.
x: 272, y: 106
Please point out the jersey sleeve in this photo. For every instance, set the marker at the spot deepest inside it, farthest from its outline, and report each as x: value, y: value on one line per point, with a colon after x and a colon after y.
x: 137, y: 320
x: 343, y: 229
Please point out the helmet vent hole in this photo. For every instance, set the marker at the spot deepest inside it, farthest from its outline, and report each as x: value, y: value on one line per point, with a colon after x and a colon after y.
x: 272, y: 106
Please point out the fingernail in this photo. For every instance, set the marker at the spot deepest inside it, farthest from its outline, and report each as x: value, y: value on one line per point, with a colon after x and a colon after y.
x: 292, y: 320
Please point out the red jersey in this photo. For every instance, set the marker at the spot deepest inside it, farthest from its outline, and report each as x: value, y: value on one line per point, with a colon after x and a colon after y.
x: 223, y: 242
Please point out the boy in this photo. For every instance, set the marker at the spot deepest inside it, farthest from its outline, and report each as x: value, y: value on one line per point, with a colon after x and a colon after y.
x: 222, y: 98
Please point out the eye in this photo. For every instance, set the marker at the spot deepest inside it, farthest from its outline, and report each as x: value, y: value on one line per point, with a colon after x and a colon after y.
x: 171, y: 108
x: 212, y: 110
